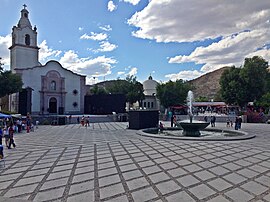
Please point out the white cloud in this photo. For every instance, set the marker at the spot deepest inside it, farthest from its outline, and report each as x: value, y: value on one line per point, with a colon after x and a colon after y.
x: 133, y: 71
x: 80, y: 28
x: 92, y: 67
x: 106, y: 28
x: 182, y: 21
x: 111, y: 6
x: 106, y: 46
x: 242, y: 26
x: 95, y: 36
x: 184, y: 75
x: 120, y: 73
x: 231, y: 50
x: 5, y: 43
x: 133, y: 2
x: 45, y: 53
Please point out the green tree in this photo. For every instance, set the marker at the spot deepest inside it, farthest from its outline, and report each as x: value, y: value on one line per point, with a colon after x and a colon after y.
x: 96, y: 90
x: 129, y: 87
x: 172, y: 93
x: 247, y: 84
x: 9, y: 82
x: 201, y: 99
x: 255, y: 75
x: 232, y: 87
x: 264, y: 101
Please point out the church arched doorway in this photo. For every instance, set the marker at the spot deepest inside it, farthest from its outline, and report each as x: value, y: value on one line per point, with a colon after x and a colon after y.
x: 53, y: 105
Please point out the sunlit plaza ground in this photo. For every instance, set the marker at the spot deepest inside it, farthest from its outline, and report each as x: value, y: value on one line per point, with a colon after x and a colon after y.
x: 107, y: 162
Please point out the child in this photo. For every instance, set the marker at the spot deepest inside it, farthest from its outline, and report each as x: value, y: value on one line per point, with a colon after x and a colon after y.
x: 228, y: 123
x: 161, y: 127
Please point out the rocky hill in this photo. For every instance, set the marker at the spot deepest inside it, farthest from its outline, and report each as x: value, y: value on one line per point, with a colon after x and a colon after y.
x: 207, y: 85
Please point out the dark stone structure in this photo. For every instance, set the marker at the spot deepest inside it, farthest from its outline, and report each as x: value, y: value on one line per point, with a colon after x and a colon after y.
x: 104, y: 104
x: 140, y: 119
x: 25, y: 101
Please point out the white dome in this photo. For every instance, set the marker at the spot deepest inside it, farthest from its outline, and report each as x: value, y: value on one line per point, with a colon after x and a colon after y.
x: 149, y: 86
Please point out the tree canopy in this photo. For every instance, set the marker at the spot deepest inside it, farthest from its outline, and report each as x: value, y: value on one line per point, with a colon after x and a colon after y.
x: 172, y: 93
x: 9, y: 82
x: 246, y: 84
x: 130, y: 87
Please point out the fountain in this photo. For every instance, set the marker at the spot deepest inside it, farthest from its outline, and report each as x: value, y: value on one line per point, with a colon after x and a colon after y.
x: 191, y: 128
x: 195, y: 130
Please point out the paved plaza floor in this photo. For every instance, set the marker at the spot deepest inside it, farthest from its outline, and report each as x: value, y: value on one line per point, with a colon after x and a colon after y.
x: 107, y: 162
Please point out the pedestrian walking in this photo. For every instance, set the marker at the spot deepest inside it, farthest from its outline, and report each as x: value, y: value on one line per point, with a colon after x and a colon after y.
x: 11, y: 136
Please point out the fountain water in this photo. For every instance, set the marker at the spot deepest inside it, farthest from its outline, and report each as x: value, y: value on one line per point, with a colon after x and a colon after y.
x: 192, y: 128
x: 190, y: 98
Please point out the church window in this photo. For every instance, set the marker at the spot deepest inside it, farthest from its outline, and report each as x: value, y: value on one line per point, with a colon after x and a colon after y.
x: 27, y: 39
x: 25, y: 15
x: 53, y: 85
x: 75, y: 92
x: 75, y: 104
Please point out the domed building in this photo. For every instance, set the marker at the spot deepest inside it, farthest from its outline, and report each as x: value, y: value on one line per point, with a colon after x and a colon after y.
x: 150, y: 101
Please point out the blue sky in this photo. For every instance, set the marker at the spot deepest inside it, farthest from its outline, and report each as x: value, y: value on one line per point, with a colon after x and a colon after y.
x: 169, y: 39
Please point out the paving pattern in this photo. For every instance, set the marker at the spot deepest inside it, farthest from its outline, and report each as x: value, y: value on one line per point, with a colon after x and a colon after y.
x: 107, y: 162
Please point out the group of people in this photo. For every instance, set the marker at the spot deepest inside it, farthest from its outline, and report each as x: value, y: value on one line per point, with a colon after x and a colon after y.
x: 237, y: 123
x: 85, y: 121
x: 7, y: 132
x: 212, y: 120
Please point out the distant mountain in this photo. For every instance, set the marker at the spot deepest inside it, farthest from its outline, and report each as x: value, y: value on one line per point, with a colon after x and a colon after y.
x: 207, y: 85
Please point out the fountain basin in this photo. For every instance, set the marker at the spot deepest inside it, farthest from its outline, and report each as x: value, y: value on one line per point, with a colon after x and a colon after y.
x: 193, y: 129
x: 208, y: 134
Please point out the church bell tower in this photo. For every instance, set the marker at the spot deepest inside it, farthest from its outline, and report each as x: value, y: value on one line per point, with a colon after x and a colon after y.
x: 24, y: 49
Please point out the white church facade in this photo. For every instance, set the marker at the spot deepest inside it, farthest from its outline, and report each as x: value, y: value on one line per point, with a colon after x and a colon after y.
x: 52, y: 89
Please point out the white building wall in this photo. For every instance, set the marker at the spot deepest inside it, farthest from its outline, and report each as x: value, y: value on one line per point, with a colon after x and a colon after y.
x: 32, y: 77
x: 19, y: 55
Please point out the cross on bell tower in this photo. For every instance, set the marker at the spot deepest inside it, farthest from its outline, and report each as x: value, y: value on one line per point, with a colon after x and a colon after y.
x: 24, y: 6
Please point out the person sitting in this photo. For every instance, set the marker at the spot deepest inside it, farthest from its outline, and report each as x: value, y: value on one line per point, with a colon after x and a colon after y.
x: 161, y: 127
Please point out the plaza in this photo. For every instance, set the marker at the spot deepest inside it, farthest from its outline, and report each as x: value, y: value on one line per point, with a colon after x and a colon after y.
x: 108, y: 162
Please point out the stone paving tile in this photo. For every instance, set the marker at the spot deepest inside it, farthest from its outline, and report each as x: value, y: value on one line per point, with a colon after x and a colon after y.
x: 177, y: 172
x: 79, y: 166
x: 111, y: 191
x: 220, y: 184
x: 118, y: 199
x: 29, y: 180
x: 54, y: 183
x: 234, y: 178
x: 158, y: 177
x: 219, y: 199
x: 167, y: 187
x: 21, y: 190
x: 109, y: 180
x: 87, y: 196
x: 247, y: 173
x: 49, y: 195
x: 255, y: 188
x: 132, y: 174
x: 59, y: 174
x: 180, y: 196
x: 204, y: 175
x: 81, y: 187
x: 202, y: 191
x: 219, y: 170
x: 239, y: 195
x: 144, y: 194
x: 137, y: 183
x: 188, y: 180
